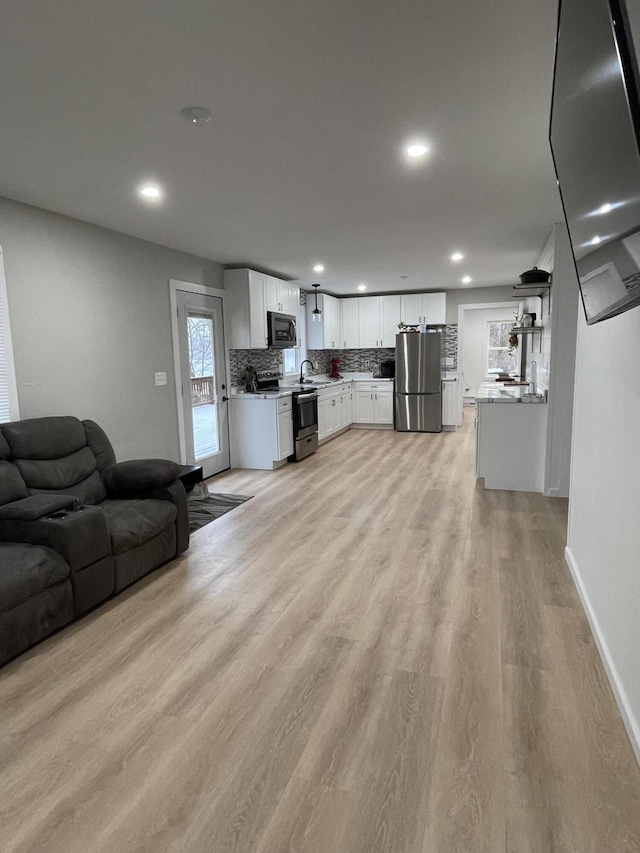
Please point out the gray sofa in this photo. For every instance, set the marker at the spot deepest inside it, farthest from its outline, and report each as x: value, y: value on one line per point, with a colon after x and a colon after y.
x: 75, y: 526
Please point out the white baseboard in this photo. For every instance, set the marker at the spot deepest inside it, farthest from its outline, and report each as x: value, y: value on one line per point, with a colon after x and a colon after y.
x: 553, y: 493
x: 629, y: 719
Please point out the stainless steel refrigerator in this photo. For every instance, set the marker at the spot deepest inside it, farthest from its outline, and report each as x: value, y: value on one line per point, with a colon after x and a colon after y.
x: 418, y: 383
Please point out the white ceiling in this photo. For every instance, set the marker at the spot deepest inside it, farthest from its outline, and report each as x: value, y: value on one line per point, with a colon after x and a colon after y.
x: 312, y: 102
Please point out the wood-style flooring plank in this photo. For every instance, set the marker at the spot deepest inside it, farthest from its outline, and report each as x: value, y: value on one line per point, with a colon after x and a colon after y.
x: 372, y: 654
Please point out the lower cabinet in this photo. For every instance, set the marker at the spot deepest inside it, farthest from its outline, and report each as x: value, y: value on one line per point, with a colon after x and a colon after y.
x: 335, y: 410
x: 451, y: 404
x: 261, y: 432
x: 373, y: 403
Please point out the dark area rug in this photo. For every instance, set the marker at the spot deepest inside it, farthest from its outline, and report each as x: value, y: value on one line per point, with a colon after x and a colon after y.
x: 204, y: 510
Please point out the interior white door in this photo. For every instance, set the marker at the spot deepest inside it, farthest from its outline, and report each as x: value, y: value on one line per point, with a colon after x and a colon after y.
x: 204, y: 381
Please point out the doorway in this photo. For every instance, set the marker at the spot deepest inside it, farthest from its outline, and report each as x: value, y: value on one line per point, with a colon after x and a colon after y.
x: 482, y: 343
x: 201, y: 380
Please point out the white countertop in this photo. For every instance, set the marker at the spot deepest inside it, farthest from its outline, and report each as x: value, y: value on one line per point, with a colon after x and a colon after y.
x: 498, y: 392
x: 317, y: 382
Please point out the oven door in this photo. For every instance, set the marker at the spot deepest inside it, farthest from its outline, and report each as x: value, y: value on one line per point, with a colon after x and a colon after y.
x: 305, y: 414
x: 282, y: 330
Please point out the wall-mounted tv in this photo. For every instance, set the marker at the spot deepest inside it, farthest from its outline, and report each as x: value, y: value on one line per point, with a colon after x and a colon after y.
x: 595, y: 140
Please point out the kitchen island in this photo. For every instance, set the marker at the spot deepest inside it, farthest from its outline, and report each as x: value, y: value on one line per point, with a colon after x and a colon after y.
x: 511, y: 430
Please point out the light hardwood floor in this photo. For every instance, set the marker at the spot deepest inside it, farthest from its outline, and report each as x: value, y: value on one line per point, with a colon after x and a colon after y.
x: 373, y: 654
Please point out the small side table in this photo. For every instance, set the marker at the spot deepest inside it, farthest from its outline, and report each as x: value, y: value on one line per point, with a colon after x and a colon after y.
x: 191, y: 475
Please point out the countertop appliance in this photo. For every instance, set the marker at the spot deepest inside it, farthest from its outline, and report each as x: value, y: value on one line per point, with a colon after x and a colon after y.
x: 281, y: 330
x: 335, y: 368
x: 387, y: 368
x: 305, y: 424
x: 267, y: 380
x: 418, y: 382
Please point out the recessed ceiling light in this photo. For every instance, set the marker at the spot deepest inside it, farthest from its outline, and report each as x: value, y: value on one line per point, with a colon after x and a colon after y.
x: 196, y: 115
x: 595, y: 240
x: 606, y: 208
x: 362, y: 287
x: 457, y: 256
x: 417, y: 149
x: 467, y: 279
x: 151, y: 191
x: 318, y: 268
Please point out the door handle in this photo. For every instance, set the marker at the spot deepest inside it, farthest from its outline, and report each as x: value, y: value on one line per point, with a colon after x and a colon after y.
x: 224, y: 399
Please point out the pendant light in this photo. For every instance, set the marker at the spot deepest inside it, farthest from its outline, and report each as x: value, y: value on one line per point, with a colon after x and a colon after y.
x: 316, y: 314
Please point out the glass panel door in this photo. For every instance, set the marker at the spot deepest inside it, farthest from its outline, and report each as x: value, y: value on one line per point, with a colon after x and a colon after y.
x: 204, y: 398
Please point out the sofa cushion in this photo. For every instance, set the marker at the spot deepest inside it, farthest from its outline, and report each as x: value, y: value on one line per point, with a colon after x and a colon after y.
x: 44, y: 438
x: 60, y: 473
x: 25, y: 570
x: 100, y: 445
x: 12, y: 486
x: 89, y: 492
x: 5, y: 450
x: 133, y: 522
x: 140, y: 475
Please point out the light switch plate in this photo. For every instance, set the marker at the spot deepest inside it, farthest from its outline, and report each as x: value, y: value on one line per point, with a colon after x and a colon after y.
x: 161, y: 378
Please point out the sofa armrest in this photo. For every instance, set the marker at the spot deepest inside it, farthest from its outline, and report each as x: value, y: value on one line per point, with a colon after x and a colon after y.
x: 80, y: 537
x: 175, y: 492
x: 137, y: 476
x: 36, y: 506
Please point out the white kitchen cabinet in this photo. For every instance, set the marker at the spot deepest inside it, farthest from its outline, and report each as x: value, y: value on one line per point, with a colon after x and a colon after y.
x: 245, y: 309
x: 435, y: 308
x: 429, y: 308
x: 378, y: 321
x: 323, y: 419
x: 451, y: 409
x: 281, y: 296
x: 389, y: 320
x: 511, y: 445
x: 350, y: 322
x: 261, y: 432
x: 346, y: 407
x: 324, y: 333
x: 248, y: 297
x: 373, y: 403
x: 370, y: 322
x: 335, y: 410
x: 285, y: 434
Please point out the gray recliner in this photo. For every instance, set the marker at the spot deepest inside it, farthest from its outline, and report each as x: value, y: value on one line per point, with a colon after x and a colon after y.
x: 73, y: 519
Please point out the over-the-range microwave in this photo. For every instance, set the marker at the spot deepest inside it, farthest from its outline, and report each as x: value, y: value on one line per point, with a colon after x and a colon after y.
x: 281, y: 330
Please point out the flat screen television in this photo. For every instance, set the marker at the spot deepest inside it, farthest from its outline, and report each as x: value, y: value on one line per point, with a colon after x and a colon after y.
x: 595, y: 141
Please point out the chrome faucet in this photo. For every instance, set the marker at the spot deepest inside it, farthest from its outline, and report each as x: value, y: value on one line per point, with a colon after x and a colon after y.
x: 306, y: 361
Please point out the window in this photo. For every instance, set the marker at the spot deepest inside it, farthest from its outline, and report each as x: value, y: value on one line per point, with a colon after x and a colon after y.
x: 293, y: 357
x: 291, y: 361
x: 501, y: 357
x: 8, y: 389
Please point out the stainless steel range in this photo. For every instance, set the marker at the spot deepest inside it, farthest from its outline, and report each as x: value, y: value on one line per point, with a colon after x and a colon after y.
x: 305, y: 424
x: 305, y: 414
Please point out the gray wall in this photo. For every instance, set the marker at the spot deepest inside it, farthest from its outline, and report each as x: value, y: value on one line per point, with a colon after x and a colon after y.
x: 90, y: 324
x: 471, y: 295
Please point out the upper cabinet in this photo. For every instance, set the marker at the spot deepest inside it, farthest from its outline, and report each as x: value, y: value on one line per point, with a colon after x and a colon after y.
x: 325, y: 331
x: 369, y: 322
x: 248, y: 297
x: 379, y: 319
x: 350, y: 322
x: 281, y: 296
x: 390, y: 318
x: 429, y: 308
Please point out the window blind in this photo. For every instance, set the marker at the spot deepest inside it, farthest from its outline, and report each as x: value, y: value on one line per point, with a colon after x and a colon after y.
x: 8, y: 389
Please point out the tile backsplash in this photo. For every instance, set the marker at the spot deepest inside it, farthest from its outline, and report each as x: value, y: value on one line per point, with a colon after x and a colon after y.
x: 260, y: 359
x: 353, y: 360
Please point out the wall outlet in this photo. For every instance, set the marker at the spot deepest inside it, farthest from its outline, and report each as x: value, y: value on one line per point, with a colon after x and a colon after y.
x: 366, y: 364
x: 161, y: 378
